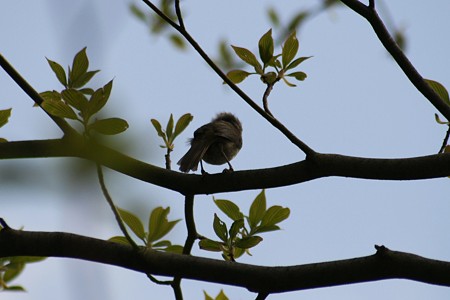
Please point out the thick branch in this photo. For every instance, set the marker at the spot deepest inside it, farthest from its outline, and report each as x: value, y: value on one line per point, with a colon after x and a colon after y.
x: 321, y: 165
x: 370, y: 14
x: 385, y: 264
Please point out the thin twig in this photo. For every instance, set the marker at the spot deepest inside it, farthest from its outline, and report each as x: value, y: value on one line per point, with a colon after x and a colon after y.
x: 372, y: 4
x: 265, y: 99
x: 261, y: 296
x: 179, y: 15
x: 114, y: 208
x: 33, y: 94
x: 296, y: 141
x: 445, y: 141
x: 191, y: 237
x: 157, y: 281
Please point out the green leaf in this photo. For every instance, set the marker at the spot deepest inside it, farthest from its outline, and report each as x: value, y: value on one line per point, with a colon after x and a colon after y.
x: 267, y: 228
x: 265, y: 46
x: 120, y: 240
x: 275, y: 215
x: 3, y: 140
x: 13, y: 270
x: 99, y: 99
x: 290, y: 49
x: 137, y: 12
x: 80, y: 66
x: 50, y: 95
x: 220, y: 228
x: 182, y: 123
x: 287, y: 82
x: 15, y: 288
x: 109, y: 126
x: 439, y: 89
x: 169, y: 129
x: 298, y: 75
x: 257, y: 209
x: 230, y: 209
x: 158, y: 128
x: 178, y: 41
x: 84, y: 79
x: 177, y: 249
x: 248, y: 242
x: 273, y: 17
x: 75, y: 99
x: 237, y: 76
x: 210, y: 245
x: 59, y: 109
x: 4, y: 116
x: 158, y: 225
x: 133, y: 222
x: 207, y: 297
x: 269, y: 78
x: 236, y: 228
x: 297, y: 62
x: 59, y: 71
x: 221, y: 296
x: 248, y: 57
x: 436, y: 117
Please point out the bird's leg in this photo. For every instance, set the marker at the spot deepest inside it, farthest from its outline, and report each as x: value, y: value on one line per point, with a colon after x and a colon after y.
x: 228, y: 162
x: 202, y: 169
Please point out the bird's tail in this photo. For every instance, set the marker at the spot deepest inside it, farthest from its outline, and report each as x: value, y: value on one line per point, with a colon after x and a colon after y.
x: 192, y: 158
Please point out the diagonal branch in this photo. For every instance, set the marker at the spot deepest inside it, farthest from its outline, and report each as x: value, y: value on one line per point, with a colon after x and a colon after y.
x: 296, y: 141
x: 370, y: 14
x: 28, y: 89
x: 323, y: 165
x: 385, y: 264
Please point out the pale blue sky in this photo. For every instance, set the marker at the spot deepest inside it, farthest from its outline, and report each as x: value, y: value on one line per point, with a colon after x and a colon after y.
x: 355, y: 101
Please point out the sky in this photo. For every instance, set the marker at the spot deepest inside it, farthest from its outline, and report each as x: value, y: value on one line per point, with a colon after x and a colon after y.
x: 355, y: 101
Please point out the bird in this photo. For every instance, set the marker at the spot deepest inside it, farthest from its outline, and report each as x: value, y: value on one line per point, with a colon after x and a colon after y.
x: 216, y: 143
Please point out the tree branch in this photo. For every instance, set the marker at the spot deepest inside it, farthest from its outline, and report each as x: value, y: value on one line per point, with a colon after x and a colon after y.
x: 385, y: 264
x: 322, y: 165
x: 296, y: 141
x: 370, y: 14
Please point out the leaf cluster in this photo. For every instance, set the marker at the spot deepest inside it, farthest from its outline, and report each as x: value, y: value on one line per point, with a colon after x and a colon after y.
x: 279, y: 64
x: 220, y: 296
x: 11, y: 267
x: 4, y: 117
x: 158, y: 227
x: 171, y: 132
x: 80, y: 103
x: 241, y: 235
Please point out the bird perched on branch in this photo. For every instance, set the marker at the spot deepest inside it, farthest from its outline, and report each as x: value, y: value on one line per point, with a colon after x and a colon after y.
x: 216, y: 143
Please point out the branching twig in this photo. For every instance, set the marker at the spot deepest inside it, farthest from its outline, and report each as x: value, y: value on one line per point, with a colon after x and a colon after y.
x: 28, y: 89
x: 191, y: 237
x: 445, y: 141
x: 370, y: 14
x: 179, y: 15
x: 296, y: 141
x: 114, y: 208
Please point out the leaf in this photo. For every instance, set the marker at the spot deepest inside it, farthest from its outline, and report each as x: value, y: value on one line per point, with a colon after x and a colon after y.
x: 80, y: 66
x: 210, y: 245
x: 275, y: 215
x: 436, y: 117
x: 109, y: 126
x: 182, y: 123
x: 237, y: 76
x: 236, y: 228
x: 266, y: 228
x: 158, y: 128
x: 290, y: 49
x: 269, y: 78
x: 220, y: 228
x: 248, y: 242
x: 298, y: 75
x: 50, y: 95
x: 230, y: 209
x: 99, y: 99
x: 75, y: 99
x: 257, y: 209
x: 13, y: 270
x: 15, y: 288
x: 273, y: 17
x: 84, y: 79
x: 207, y: 297
x: 248, y: 57
x: 177, y: 41
x: 265, y: 46
x: 158, y: 225
x: 4, y: 116
x: 59, y: 109
x: 133, y: 222
x: 221, y: 296
x: 297, y: 62
x: 120, y: 240
x: 169, y: 129
x: 137, y: 12
x: 439, y: 89
x: 177, y: 249
x: 287, y: 82
x: 59, y: 71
